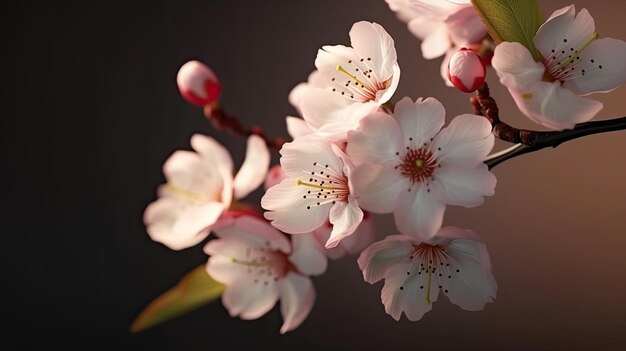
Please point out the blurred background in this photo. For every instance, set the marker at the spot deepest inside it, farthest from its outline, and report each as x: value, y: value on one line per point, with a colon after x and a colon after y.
x: 90, y: 111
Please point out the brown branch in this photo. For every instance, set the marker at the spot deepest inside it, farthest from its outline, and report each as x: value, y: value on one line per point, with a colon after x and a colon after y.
x: 529, y: 140
x: 223, y: 120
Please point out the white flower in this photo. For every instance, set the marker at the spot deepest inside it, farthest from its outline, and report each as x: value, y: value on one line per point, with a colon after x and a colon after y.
x: 200, y: 187
x: 575, y: 63
x: 316, y: 189
x: 407, y: 166
x: 359, y: 79
x: 259, y: 266
x: 454, y: 263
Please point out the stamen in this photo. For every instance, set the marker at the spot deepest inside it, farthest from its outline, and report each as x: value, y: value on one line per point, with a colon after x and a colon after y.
x: 315, y: 186
x: 342, y: 70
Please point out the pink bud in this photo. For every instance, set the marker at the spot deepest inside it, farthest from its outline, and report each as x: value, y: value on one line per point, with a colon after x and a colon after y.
x: 198, y: 84
x: 466, y: 70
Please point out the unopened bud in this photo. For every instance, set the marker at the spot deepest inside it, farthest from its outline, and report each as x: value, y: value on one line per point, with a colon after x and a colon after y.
x: 466, y: 70
x: 198, y: 84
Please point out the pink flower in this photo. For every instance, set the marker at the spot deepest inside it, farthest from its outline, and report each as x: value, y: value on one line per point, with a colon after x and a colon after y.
x: 354, y: 244
x: 358, y: 80
x: 259, y: 266
x: 466, y: 70
x: 200, y: 187
x: 575, y: 63
x: 455, y: 263
x: 317, y: 189
x: 198, y: 84
x: 407, y: 166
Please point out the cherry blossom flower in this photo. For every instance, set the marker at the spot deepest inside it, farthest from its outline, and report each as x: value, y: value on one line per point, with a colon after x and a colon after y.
x: 575, y: 63
x: 358, y: 80
x: 317, y: 189
x: 407, y: 166
x: 466, y: 70
x: 364, y: 235
x: 455, y: 263
x: 200, y: 187
x: 198, y: 84
x: 259, y: 266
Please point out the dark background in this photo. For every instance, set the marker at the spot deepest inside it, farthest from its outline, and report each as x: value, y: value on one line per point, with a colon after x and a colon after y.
x: 90, y: 110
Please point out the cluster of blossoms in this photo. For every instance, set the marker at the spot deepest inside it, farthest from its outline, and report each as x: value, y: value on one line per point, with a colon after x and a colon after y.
x: 353, y: 154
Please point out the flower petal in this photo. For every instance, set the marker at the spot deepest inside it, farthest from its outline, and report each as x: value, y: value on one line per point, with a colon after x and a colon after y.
x: 565, y: 30
x: 302, y: 156
x: 364, y: 235
x: 254, y: 231
x: 604, y: 66
x: 437, y: 43
x: 419, y: 213
x: 407, y: 293
x: 249, y: 300
x: 297, y: 127
x: 315, y: 80
x: 516, y: 67
x: 191, y: 178
x: 307, y: 256
x: 195, y: 221
x: 465, y: 142
x: 466, y: 186
x: 160, y: 217
x: 465, y: 27
x: 214, y: 151
x: 421, y: 120
x: 296, y: 300
x: 381, y: 255
x: 377, y: 188
x: 377, y: 140
x: 345, y: 218
x: 371, y: 41
x: 254, y: 168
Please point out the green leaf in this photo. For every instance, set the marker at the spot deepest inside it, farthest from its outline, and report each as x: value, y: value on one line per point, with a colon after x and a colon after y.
x: 195, y: 289
x: 511, y: 20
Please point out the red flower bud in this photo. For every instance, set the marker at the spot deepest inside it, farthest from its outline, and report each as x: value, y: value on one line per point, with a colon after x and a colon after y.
x: 198, y: 84
x: 466, y: 70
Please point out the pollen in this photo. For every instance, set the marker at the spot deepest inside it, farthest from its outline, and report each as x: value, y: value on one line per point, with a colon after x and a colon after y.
x: 418, y: 165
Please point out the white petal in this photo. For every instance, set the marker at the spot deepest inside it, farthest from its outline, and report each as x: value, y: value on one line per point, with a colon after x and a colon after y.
x: 254, y: 231
x: 377, y: 188
x: 421, y: 120
x: 466, y: 186
x: 516, y: 67
x: 555, y: 107
x: 371, y: 40
x: 249, y: 300
x: 465, y: 27
x: 296, y: 300
x: 214, y: 151
x: 195, y: 221
x: 297, y: 127
x: 364, y: 235
x: 412, y: 298
x: 160, y: 217
x: 222, y: 269
x: 315, y: 80
x: 607, y: 53
x: 254, y: 168
x: 443, y: 69
x: 564, y: 31
x: 419, y: 212
x: 378, y: 257
x: 437, y: 43
x: 377, y: 140
x: 465, y: 142
x: 192, y: 178
x: 345, y: 218
x: 305, y: 155
x: 307, y: 256
x: 473, y: 285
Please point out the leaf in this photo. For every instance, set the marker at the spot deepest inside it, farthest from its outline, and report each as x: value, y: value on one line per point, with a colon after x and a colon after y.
x: 511, y: 20
x: 195, y: 289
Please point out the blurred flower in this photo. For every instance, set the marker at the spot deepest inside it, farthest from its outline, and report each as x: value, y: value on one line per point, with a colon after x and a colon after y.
x: 200, y: 187
x: 407, y: 166
x: 455, y: 263
x: 358, y: 80
x: 259, y: 266
x: 198, y: 84
x: 316, y: 189
x: 466, y: 70
x: 575, y: 63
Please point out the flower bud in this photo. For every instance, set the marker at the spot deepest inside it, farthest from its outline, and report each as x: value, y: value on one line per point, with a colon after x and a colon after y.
x: 466, y: 70
x: 198, y: 84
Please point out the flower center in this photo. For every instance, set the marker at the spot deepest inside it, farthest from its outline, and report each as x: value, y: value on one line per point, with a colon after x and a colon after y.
x: 326, y: 186
x: 362, y: 84
x: 418, y: 165
x: 565, y: 62
x: 265, y: 265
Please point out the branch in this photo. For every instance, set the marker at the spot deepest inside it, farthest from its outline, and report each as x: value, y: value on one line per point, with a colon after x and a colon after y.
x: 223, y: 120
x: 529, y: 140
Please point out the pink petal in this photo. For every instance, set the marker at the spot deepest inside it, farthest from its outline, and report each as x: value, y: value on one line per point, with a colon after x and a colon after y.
x: 254, y: 168
x: 607, y: 71
x: 307, y: 256
x: 274, y: 176
x: 296, y: 300
x: 411, y: 299
x: 377, y: 140
x: 364, y: 235
x: 191, y: 178
x: 315, y: 80
x: 254, y: 231
x: 516, y: 67
x: 371, y: 40
x: 380, y: 256
x: 194, y: 221
x: 297, y: 127
x: 213, y: 151
x: 466, y: 186
x: 443, y: 69
x: 419, y: 213
x: 377, y: 188
x: 321, y: 236
x: 250, y: 300
x: 437, y: 43
x: 198, y: 84
x: 420, y: 121
x: 565, y: 30
x: 160, y: 217
x: 345, y: 218
x: 466, y: 27
x: 465, y: 142
x: 302, y: 156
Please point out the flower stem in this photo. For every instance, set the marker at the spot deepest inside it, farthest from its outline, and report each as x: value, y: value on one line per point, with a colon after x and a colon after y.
x: 529, y: 140
x: 223, y: 120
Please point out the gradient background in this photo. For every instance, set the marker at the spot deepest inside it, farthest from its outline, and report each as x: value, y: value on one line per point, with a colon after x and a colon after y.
x: 91, y: 110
